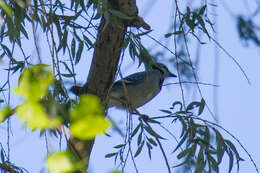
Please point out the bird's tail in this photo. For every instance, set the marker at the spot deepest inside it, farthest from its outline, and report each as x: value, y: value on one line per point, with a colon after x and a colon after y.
x: 77, y: 90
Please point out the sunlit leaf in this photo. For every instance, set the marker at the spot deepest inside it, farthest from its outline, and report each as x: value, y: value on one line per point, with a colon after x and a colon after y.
x: 34, y: 116
x: 4, y: 113
x: 34, y: 82
x: 115, y: 172
x: 6, y: 8
x: 62, y: 162
x: 87, y: 118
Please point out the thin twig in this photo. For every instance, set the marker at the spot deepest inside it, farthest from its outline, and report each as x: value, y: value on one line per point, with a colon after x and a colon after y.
x: 187, y: 82
x: 177, y: 57
x: 233, y: 59
x: 162, y: 150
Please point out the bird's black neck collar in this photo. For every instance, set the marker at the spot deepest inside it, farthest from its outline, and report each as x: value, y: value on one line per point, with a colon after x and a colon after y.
x: 154, y: 67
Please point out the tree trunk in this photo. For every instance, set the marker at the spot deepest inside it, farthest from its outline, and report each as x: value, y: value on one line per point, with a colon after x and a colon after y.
x: 104, y: 64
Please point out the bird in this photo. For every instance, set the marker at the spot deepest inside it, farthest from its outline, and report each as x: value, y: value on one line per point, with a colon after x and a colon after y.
x: 136, y: 89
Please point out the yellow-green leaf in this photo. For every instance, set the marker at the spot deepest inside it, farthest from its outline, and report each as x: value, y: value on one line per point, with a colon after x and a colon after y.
x: 6, y: 8
x: 60, y: 162
x: 65, y: 162
x: 115, y: 172
x: 4, y: 113
x: 89, y: 127
x: 34, y: 82
x: 34, y: 116
x: 87, y: 118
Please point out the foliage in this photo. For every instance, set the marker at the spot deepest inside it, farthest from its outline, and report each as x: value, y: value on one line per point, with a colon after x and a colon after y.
x: 87, y: 118
x: 201, y: 145
x: 33, y: 85
x: 63, y: 162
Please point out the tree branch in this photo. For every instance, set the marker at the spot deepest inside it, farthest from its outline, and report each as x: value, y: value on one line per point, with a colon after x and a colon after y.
x: 105, y: 61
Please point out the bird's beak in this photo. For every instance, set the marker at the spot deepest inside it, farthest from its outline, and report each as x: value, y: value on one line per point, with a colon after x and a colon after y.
x: 172, y: 75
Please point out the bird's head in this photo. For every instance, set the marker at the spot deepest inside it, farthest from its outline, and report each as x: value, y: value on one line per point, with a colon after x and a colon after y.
x: 163, y: 69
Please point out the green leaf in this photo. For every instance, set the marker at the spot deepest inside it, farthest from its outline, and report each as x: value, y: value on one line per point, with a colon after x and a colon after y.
x: 184, y: 125
x: 178, y: 32
x: 34, y: 116
x: 73, y: 47
x: 6, y: 8
x: 116, y: 172
x: 87, y: 118
x: 5, y: 113
x: 63, y: 162
x: 202, y: 106
x: 110, y: 155
x: 165, y: 111
x: 182, y: 141
x: 152, y: 132
x: 152, y: 141
x: 79, y: 52
x: 200, y: 166
x: 202, y: 10
x: 139, y: 139
x: 221, y: 146
x: 7, y: 51
x: 173, y: 33
x: 183, y: 153
x: 64, y: 40
x: 177, y: 103
x: 202, y: 24
x: 2, y: 155
x: 59, y: 162
x: 193, y: 105
x: 34, y: 82
x: 139, y: 149
x: 233, y: 148
x: 136, y: 130
x: 231, y: 161
x: 200, y: 162
x: 149, y: 147
x: 168, y: 35
x: 213, y: 163
x: 88, y: 42
x: 143, y: 33
x: 69, y: 75
x: 119, y: 146
x: 193, y: 150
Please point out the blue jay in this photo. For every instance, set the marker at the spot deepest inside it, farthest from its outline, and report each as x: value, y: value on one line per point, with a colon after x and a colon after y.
x: 136, y: 89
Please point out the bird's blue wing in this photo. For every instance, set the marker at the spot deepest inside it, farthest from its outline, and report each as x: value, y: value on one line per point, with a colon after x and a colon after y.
x: 131, y: 79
